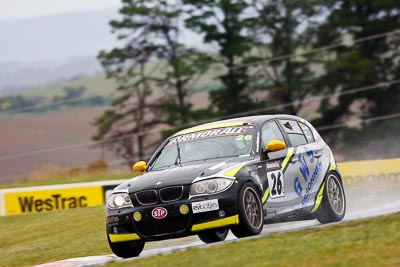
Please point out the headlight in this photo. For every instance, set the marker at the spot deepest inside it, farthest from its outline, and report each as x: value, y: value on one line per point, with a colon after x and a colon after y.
x: 119, y: 200
x: 210, y: 186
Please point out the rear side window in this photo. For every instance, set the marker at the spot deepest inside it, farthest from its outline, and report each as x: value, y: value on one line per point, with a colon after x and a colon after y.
x: 294, y: 132
x: 271, y: 131
x: 307, y: 132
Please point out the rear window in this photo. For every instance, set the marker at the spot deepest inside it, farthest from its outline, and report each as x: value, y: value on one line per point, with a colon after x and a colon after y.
x: 294, y: 132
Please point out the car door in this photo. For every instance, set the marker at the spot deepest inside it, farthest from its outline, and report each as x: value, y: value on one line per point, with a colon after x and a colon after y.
x: 305, y: 168
x: 276, y: 172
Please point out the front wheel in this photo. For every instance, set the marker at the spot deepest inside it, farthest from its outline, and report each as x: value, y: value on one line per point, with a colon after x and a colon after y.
x: 251, y: 215
x: 126, y: 249
x: 333, y: 205
x: 213, y: 236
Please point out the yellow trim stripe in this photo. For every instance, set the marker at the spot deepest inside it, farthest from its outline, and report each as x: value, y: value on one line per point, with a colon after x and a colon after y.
x: 122, y: 237
x: 215, y: 224
x: 287, y: 158
x: 319, y: 198
x: 232, y: 172
x: 332, y: 166
x: 209, y: 127
x: 265, y: 196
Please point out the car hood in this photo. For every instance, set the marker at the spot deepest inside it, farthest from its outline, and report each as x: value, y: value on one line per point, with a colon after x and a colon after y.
x: 180, y: 175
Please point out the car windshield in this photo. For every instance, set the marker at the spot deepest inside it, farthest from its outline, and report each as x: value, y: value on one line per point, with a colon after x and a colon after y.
x: 203, y: 145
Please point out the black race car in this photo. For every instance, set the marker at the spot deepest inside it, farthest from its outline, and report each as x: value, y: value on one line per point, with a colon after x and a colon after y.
x: 234, y: 174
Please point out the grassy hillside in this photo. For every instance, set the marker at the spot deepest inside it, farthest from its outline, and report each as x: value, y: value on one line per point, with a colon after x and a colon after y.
x: 99, y: 84
x: 96, y: 85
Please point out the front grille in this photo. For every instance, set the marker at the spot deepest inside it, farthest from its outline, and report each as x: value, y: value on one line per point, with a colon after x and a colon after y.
x: 173, y: 193
x: 163, y: 226
x: 147, y: 197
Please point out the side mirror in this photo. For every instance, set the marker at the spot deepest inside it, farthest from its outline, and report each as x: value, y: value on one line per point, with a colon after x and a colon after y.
x: 274, y: 145
x: 139, y: 166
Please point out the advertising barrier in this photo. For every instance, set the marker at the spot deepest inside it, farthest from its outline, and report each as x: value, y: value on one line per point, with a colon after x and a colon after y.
x: 54, y: 197
x: 68, y: 196
x: 370, y: 170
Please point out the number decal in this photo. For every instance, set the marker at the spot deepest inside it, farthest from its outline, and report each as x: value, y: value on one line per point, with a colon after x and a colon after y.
x: 276, y: 183
x: 244, y: 137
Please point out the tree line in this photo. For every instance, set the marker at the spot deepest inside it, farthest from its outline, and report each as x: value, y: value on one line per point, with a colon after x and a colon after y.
x: 288, y: 51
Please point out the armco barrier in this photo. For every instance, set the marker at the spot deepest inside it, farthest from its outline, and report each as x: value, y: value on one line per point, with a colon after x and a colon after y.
x: 67, y: 196
x: 54, y: 197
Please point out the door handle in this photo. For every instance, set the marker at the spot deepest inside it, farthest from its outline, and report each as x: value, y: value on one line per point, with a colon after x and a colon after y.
x: 294, y: 160
x: 317, y: 155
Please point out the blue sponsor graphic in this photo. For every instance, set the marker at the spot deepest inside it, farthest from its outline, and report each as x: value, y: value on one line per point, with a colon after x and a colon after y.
x: 297, y: 186
x: 305, y: 173
x: 311, y: 183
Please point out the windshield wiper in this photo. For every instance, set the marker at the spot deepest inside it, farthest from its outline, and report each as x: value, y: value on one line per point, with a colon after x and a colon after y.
x: 178, y: 159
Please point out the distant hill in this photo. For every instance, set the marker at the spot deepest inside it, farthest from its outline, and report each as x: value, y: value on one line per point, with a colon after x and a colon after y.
x: 40, y: 51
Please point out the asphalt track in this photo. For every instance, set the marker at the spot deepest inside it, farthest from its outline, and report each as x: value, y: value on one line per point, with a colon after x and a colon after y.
x: 364, y: 199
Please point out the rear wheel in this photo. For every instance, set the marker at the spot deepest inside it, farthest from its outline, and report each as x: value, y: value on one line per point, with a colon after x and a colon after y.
x: 251, y: 216
x: 126, y: 249
x: 213, y: 236
x: 333, y: 205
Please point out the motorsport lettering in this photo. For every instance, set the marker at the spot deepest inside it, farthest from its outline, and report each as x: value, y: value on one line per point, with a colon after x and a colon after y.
x: 208, y: 134
x: 305, y: 172
x: 55, y: 202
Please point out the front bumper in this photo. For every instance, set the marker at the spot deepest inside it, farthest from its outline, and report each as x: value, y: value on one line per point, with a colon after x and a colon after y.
x: 123, y: 226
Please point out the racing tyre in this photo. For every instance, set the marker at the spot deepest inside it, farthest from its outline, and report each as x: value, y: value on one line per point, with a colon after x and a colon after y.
x: 126, y: 249
x: 213, y: 236
x: 333, y: 205
x: 251, y: 215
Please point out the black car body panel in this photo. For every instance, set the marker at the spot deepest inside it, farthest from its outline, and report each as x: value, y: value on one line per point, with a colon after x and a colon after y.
x: 290, y: 181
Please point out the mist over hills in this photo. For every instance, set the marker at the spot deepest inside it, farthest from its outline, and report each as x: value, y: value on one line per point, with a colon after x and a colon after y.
x: 44, y: 50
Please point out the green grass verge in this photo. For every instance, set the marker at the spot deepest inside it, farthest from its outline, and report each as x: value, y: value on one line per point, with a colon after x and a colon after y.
x: 370, y: 242
x: 31, y: 239
x: 39, y: 238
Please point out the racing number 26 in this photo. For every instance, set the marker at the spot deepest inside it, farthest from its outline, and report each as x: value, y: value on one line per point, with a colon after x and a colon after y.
x: 276, y: 183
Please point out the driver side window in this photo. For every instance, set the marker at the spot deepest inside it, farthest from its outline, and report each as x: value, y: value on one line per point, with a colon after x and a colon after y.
x: 271, y: 131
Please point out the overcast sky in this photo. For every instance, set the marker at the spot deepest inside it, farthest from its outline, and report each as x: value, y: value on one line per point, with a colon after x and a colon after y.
x: 22, y: 9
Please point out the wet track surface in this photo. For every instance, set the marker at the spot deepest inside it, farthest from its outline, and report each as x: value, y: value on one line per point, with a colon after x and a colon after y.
x: 364, y: 199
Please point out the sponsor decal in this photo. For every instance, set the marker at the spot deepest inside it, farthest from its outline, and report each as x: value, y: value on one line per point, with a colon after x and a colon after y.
x: 159, y: 213
x: 208, y: 134
x: 297, y: 186
x: 307, y: 175
x: 56, y: 199
x: 112, y: 219
x: 311, y: 183
x: 275, y: 165
x: 204, y: 206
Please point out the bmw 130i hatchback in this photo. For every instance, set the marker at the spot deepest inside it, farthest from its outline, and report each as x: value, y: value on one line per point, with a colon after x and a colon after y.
x: 235, y: 174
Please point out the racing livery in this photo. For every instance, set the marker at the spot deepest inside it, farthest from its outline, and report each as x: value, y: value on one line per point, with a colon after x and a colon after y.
x: 234, y: 174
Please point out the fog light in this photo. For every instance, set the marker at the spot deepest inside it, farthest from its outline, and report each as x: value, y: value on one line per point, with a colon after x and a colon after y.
x: 221, y: 213
x: 184, y: 209
x: 137, y: 216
